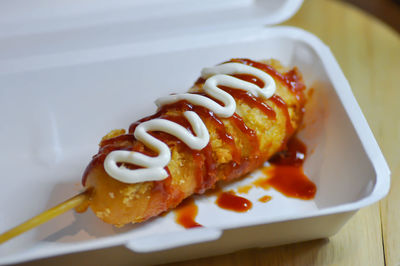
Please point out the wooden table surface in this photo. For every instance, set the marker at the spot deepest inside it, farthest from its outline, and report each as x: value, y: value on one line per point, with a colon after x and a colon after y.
x: 369, y: 54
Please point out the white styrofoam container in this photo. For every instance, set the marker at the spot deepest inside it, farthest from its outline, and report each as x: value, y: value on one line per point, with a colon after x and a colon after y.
x: 57, y: 101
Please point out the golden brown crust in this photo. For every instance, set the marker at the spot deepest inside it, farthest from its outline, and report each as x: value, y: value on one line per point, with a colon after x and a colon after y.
x: 119, y: 203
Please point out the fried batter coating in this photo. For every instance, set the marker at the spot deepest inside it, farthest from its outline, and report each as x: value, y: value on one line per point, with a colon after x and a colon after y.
x: 119, y: 203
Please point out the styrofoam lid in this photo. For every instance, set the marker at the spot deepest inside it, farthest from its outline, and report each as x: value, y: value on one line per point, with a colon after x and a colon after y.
x: 45, y: 26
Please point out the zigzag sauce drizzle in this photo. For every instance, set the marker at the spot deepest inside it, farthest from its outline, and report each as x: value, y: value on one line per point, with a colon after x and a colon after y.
x: 153, y: 167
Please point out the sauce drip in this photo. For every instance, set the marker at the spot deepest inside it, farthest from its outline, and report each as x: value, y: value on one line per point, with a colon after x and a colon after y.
x: 230, y: 201
x: 280, y: 103
x: 265, y: 199
x: 290, y: 181
x: 186, y: 213
x: 251, y: 100
x: 251, y: 135
x: 286, y: 172
x: 294, y: 154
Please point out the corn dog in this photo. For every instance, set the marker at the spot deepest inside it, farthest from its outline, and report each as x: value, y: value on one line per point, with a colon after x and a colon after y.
x: 234, y: 118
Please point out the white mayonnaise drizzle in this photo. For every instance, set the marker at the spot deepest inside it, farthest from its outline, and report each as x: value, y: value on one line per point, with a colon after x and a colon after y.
x: 154, y: 166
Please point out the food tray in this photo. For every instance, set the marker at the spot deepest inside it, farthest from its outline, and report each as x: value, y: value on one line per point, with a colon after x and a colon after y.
x: 57, y: 106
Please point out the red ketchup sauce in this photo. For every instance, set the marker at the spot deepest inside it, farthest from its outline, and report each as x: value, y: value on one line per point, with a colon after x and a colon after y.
x: 286, y: 172
x: 229, y: 201
x: 291, y: 181
x: 185, y: 214
x: 265, y: 199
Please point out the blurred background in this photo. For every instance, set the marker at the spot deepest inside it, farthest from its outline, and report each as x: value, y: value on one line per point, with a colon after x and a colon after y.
x: 386, y: 10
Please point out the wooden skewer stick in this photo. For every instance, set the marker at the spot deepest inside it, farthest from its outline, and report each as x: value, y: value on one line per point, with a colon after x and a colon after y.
x: 45, y: 216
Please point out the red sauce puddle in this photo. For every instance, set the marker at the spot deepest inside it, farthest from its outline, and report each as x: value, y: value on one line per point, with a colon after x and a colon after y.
x: 286, y: 173
x: 185, y: 214
x: 290, y: 181
x: 229, y: 201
